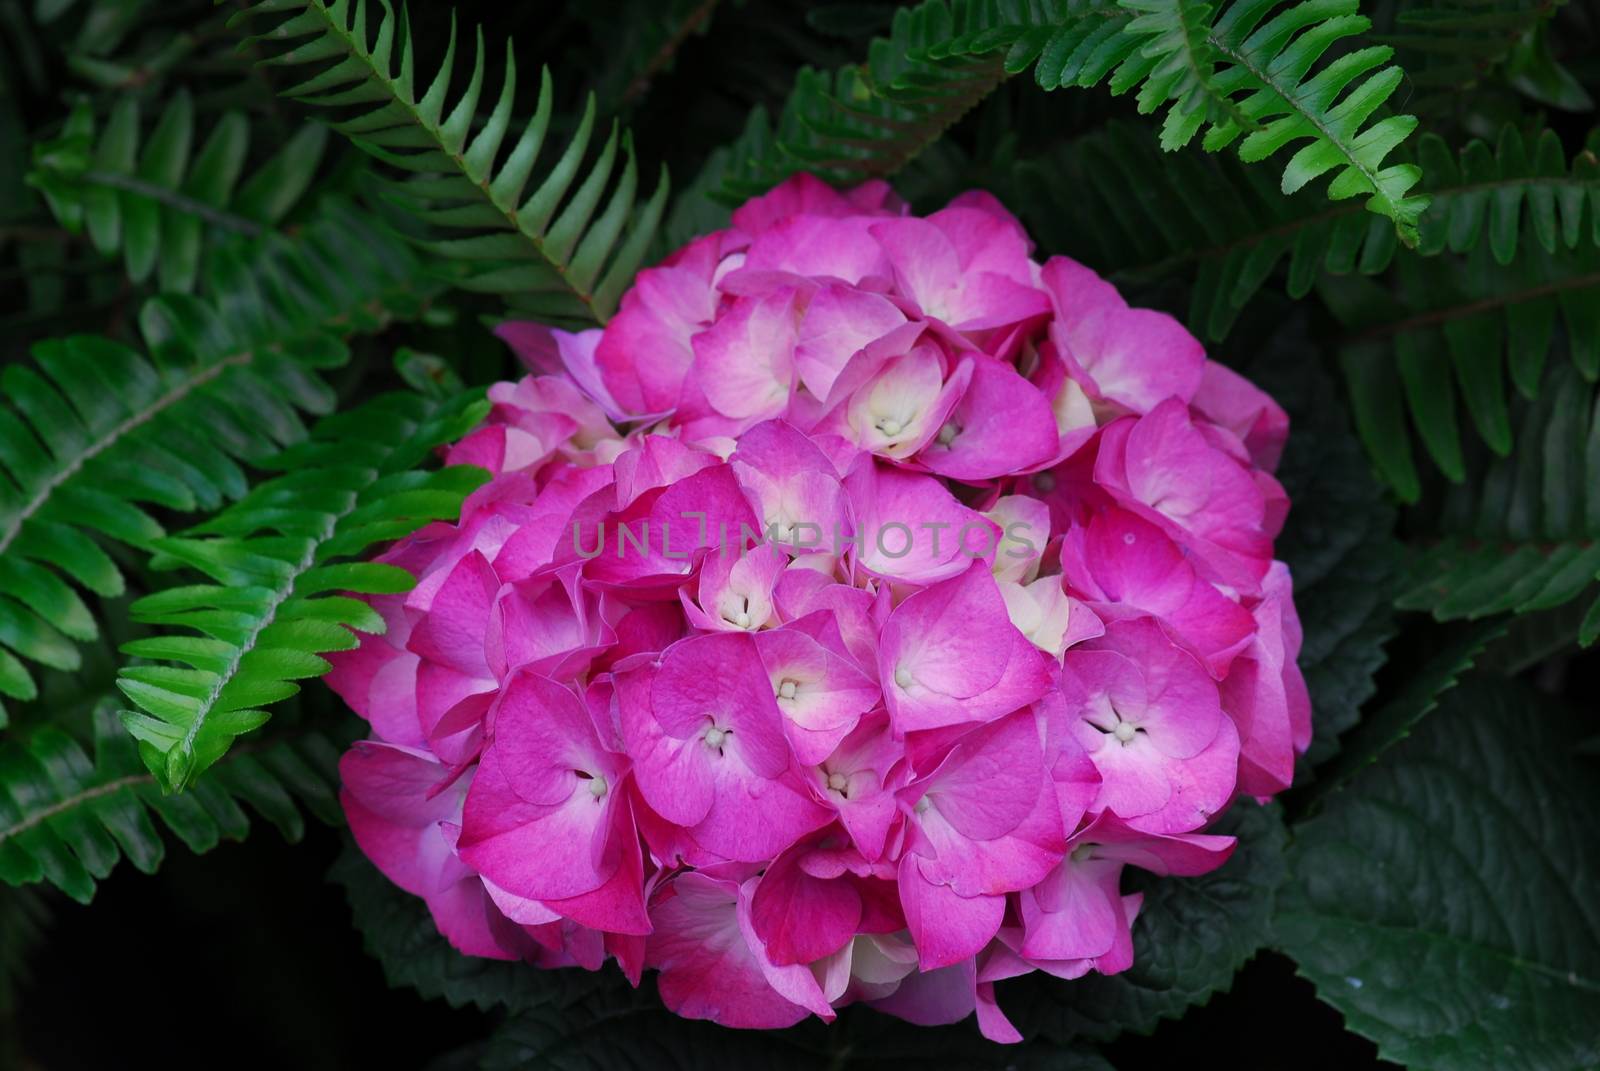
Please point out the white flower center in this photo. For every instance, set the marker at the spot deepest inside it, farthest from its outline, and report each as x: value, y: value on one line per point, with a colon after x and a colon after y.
x: 787, y: 689
x: 598, y: 787
x: 837, y: 781
x: 890, y: 427
x: 948, y: 433
x: 716, y: 737
x: 1124, y: 731
x: 902, y: 676
x: 738, y: 615
x: 922, y: 805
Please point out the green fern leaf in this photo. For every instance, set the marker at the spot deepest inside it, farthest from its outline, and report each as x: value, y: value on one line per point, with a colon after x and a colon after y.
x: 1508, y: 191
x: 67, y: 818
x: 1252, y: 76
x: 274, y: 556
x: 1113, y: 200
x: 1185, y: 69
x: 1452, y: 45
x: 94, y: 433
x: 1448, y: 328
x: 558, y: 246
x: 153, y: 204
x: 869, y: 120
x: 1270, y: 61
x: 1520, y: 533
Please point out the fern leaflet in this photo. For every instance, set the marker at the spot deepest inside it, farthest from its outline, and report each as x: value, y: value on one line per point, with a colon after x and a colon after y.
x: 153, y: 204
x: 551, y: 250
x: 94, y: 432
x: 67, y: 818
x: 273, y: 556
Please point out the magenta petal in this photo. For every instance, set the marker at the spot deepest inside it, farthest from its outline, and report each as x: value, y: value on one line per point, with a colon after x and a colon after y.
x: 933, y: 998
x: 1075, y: 912
x: 991, y: 1020
x: 717, y: 682
x: 394, y: 813
x: 839, y: 322
x: 452, y: 632
x: 1001, y: 424
x: 708, y: 970
x: 946, y: 927
x: 950, y: 654
x: 800, y: 918
x: 744, y: 363
x: 820, y: 693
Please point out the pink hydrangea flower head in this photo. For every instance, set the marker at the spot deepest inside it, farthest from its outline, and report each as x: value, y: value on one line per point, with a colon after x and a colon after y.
x: 840, y: 622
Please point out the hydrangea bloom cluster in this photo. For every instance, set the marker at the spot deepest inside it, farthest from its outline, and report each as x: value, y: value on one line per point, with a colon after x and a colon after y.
x: 841, y: 620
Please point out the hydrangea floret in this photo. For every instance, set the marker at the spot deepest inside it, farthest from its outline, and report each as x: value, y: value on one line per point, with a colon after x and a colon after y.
x: 841, y: 621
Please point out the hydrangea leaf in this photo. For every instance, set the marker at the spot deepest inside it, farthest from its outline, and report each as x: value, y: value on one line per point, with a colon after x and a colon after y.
x: 1191, y: 937
x: 1447, y: 901
x: 398, y: 931
x: 1455, y: 654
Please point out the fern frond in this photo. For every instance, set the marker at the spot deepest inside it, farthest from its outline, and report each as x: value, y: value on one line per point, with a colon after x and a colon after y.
x: 558, y: 247
x: 1508, y: 191
x: 67, y: 818
x: 152, y: 204
x: 868, y: 120
x: 1459, y: 42
x: 1185, y: 70
x: 273, y: 556
x: 1252, y: 75
x: 93, y: 432
x: 1113, y: 200
x: 642, y: 42
x: 1457, y: 327
x: 1270, y: 51
x: 1522, y: 533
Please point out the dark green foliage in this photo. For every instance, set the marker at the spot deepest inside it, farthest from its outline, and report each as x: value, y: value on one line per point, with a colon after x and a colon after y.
x: 398, y: 931
x: 1445, y: 902
x: 1111, y: 199
x: 67, y: 816
x: 542, y: 246
x: 95, y: 434
x: 617, y: 1029
x: 1451, y: 44
x: 1338, y: 542
x: 1224, y: 226
x: 275, y: 559
x: 866, y: 121
x: 1513, y: 188
x: 1523, y: 532
x: 1243, y: 73
x: 1393, y: 722
x: 154, y: 201
x: 1462, y: 328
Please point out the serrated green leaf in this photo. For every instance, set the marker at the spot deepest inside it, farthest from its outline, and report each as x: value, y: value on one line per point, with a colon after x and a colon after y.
x: 1441, y: 903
